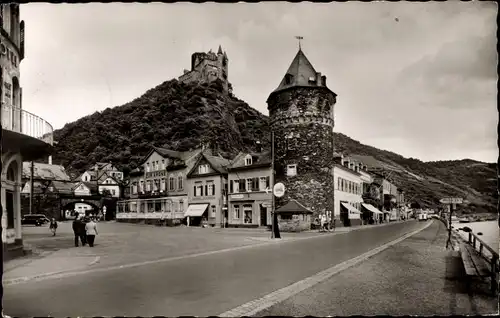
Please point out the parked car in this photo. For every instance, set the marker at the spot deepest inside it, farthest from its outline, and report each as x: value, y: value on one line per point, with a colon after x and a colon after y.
x: 34, y: 219
x: 422, y: 217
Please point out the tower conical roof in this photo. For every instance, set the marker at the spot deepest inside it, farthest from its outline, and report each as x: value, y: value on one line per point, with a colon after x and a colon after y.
x: 300, y: 70
x: 220, y: 50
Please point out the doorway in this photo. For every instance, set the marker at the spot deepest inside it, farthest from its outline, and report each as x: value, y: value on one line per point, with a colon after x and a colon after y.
x: 263, y: 216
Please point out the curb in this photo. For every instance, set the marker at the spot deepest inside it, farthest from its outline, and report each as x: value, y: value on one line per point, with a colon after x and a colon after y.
x: 254, y: 307
x: 18, y: 280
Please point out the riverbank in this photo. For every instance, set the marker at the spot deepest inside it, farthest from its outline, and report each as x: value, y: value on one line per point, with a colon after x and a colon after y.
x: 489, y: 229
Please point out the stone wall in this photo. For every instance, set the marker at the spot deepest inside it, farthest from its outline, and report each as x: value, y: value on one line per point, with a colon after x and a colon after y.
x: 302, y: 121
x: 295, y: 225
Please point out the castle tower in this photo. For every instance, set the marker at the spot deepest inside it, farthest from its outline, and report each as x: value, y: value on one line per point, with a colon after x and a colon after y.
x: 301, y: 113
x: 223, y: 66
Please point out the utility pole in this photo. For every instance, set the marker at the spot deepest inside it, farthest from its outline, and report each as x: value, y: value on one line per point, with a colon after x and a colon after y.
x: 1, y: 207
x: 448, y: 242
x: 272, y: 184
x: 32, y: 173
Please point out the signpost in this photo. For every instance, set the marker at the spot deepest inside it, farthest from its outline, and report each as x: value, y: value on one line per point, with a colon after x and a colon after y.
x: 451, y: 203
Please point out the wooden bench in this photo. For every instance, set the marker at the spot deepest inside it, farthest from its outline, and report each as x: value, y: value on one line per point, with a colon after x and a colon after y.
x: 475, y: 265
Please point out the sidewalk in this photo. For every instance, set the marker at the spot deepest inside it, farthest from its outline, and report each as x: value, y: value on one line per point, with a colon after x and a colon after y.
x: 46, y: 264
x: 417, y: 276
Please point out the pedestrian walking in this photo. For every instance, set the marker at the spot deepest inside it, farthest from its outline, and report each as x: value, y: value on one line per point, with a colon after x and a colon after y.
x: 78, y: 231
x: 91, y: 230
x: 53, y: 226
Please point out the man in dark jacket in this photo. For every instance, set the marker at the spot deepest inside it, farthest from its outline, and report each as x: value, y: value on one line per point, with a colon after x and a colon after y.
x: 79, y: 231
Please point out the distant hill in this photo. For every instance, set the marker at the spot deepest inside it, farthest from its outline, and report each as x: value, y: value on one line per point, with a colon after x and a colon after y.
x: 182, y: 116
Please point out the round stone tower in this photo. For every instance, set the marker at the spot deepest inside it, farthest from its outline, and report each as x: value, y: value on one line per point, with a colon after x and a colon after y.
x: 301, y: 113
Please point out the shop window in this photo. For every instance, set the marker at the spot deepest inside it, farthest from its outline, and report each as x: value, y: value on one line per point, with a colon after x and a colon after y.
x: 247, y: 210
x: 212, y: 211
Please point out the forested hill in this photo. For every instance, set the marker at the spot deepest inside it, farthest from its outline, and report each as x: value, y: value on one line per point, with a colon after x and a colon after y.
x: 174, y: 115
x: 181, y: 116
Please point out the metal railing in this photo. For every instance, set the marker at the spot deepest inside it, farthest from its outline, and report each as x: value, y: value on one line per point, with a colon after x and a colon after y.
x: 21, y: 121
x: 488, y: 254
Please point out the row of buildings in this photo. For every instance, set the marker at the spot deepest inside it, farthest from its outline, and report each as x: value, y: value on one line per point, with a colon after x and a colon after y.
x: 208, y: 188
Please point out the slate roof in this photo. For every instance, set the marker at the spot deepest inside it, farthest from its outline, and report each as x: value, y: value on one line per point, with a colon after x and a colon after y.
x: 218, y: 163
x: 293, y: 206
x: 301, y: 69
x: 44, y: 171
x: 63, y: 187
x: 258, y: 159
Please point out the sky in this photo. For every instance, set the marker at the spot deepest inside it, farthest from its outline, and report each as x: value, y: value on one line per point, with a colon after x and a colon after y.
x: 418, y: 79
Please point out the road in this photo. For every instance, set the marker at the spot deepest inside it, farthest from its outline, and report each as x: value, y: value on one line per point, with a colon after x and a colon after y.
x: 417, y: 276
x: 201, y: 286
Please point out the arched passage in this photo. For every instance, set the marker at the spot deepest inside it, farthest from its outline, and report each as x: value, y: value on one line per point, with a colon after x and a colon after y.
x: 68, y: 207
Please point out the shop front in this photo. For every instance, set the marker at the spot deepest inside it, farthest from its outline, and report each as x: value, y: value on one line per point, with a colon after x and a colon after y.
x: 349, y: 215
x: 197, y: 214
x: 244, y: 211
x: 371, y: 214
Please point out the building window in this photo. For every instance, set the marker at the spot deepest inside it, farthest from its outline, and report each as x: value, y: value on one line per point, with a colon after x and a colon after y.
x: 113, y: 191
x: 211, y: 188
x: 162, y: 184
x: 147, y: 167
x: 248, y: 160
x: 198, y: 188
x: 202, y: 169
x: 148, y: 185
x: 180, y: 182
x: 247, y: 211
x: 235, y: 186
x: 181, y: 205
x: 262, y: 183
x: 163, y: 164
x: 142, y: 186
x: 236, y: 211
x: 154, y: 166
x: 291, y: 170
x: 171, y: 184
x: 249, y: 185
x: 212, y: 211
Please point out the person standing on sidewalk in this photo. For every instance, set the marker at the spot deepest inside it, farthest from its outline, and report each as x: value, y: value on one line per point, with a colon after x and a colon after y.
x: 78, y: 231
x: 53, y: 226
x: 91, y: 229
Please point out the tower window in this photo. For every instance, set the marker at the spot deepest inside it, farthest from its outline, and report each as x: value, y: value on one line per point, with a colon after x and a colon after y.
x: 288, y: 79
x: 291, y: 170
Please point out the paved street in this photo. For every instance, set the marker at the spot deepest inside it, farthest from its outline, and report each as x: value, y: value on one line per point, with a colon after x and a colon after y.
x: 204, y: 285
x: 415, y: 277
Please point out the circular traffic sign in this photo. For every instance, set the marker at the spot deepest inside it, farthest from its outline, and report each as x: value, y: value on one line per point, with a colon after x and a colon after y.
x: 279, y: 189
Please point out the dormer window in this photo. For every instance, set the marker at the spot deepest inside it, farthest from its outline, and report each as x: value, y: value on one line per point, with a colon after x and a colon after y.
x: 202, y: 169
x: 288, y: 79
x: 248, y: 160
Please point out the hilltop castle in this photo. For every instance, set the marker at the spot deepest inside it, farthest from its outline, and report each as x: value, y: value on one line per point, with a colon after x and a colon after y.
x: 207, y: 67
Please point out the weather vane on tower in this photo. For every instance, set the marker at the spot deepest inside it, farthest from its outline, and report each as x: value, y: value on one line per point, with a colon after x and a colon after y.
x: 298, y: 37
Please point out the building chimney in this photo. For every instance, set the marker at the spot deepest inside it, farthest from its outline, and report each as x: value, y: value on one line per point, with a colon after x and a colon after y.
x: 50, y: 160
x: 318, y: 78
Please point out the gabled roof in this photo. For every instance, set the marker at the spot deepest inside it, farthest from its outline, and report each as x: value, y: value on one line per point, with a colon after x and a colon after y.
x: 293, y: 206
x: 219, y: 164
x: 258, y: 159
x: 90, y: 185
x: 45, y: 171
x: 63, y: 187
x: 167, y: 153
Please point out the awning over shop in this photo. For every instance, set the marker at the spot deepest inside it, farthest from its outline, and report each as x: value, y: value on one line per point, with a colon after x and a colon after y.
x: 350, y: 208
x: 371, y: 208
x: 196, y: 210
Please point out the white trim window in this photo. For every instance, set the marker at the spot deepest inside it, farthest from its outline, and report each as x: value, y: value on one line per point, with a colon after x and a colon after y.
x: 180, y: 182
x: 163, y: 184
x: 249, y: 185
x: 236, y: 212
x: 211, y: 188
x: 291, y: 170
x: 248, y: 160
x: 236, y: 186
x: 262, y: 183
x: 171, y: 184
x: 202, y: 169
x: 198, y: 189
